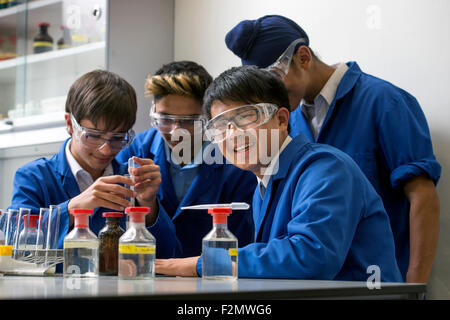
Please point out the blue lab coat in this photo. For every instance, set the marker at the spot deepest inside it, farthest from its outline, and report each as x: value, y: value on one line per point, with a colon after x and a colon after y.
x: 44, y: 182
x: 214, y: 183
x: 320, y: 219
x: 384, y: 130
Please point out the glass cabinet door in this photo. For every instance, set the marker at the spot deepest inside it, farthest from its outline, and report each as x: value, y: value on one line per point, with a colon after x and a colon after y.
x: 45, y: 45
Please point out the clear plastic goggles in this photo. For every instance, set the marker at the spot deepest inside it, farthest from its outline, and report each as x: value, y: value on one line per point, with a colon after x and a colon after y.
x: 96, y: 139
x: 166, y: 123
x: 241, y: 118
x: 281, y: 66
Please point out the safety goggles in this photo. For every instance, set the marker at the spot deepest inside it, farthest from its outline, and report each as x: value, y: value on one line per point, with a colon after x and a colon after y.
x: 96, y: 139
x: 166, y: 123
x: 281, y: 66
x: 241, y: 118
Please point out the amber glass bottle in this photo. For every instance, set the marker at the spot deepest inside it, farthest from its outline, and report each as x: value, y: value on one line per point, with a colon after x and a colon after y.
x: 43, y: 42
x: 109, y: 244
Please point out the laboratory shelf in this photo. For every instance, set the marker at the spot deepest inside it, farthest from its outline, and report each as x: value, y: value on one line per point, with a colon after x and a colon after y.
x: 39, y: 10
x: 56, y: 61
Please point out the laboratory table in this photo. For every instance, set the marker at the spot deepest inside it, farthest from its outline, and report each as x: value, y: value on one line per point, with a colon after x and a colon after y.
x: 161, y: 288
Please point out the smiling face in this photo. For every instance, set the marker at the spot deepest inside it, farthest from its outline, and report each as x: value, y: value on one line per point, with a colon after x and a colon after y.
x: 249, y: 149
x: 91, y: 159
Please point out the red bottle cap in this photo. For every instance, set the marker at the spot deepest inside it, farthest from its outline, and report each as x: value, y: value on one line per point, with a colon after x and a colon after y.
x: 112, y: 215
x: 137, y: 214
x: 219, y: 214
x: 43, y: 24
x: 81, y: 217
x: 30, y: 220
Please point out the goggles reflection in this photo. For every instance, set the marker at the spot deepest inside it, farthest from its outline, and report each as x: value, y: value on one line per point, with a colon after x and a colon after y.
x: 242, y: 118
x: 96, y: 139
x: 166, y: 123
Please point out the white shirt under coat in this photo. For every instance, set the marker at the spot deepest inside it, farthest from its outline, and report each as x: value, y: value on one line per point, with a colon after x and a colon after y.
x: 316, y: 113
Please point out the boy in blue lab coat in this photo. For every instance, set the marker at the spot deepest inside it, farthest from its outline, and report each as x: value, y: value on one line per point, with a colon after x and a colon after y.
x: 100, y: 112
x: 379, y: 125
x: 316, y: 215
x: 175, y: 143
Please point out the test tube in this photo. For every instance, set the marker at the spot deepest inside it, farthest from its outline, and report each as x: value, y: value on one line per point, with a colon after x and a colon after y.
x: 131, y: 164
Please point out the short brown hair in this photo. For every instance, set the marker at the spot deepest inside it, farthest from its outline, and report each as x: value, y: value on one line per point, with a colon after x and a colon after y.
x: 101, y: 95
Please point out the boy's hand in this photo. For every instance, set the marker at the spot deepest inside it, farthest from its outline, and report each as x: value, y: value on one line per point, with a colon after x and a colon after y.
x: 104, y: 192
x: 147, y: 178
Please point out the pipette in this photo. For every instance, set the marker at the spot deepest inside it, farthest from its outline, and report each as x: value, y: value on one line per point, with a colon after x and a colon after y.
x: 233, y: 206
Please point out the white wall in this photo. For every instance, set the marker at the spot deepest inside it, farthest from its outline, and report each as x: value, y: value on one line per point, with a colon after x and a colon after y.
x: 406, y: 42
x: 140, y: 42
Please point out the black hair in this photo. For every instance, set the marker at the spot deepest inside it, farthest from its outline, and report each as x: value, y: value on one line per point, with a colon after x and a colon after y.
x: 185, y: 78
x: 247, y: 84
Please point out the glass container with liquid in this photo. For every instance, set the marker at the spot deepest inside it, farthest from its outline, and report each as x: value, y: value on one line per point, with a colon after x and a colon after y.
x: 30, y: 238
x: 109, y: 244
x: 219, y: 248
x: 81, y: 247
x: 137, y: 247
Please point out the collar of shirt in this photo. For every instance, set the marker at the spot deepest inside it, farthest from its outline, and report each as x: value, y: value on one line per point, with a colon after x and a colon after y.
x: 262, y: 183
x: 317, y: 111
x: 82, y: 177
x: 182, y: 177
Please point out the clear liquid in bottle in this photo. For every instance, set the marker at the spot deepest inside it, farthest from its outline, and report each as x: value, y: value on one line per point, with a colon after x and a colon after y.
x: 219, y: 249
x: 81, y: 247
x: 137, y: 247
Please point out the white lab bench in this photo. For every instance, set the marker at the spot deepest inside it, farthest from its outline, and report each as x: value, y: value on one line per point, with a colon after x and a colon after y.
x: 182, y: 288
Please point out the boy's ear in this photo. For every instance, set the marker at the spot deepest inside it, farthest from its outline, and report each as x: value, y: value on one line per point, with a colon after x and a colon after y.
x: 69, y: 127
x: 283, y: 118
x: 303, y: 57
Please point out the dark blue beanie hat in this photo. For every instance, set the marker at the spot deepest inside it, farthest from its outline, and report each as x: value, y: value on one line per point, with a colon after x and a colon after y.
x: 260, y: 42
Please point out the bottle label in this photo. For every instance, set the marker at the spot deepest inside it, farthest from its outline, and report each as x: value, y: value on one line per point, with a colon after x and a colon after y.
x: 133, y: 249
x: 64, y: 46
x: 80, y: 244
x: 42, y: 44
x: 233, y: 252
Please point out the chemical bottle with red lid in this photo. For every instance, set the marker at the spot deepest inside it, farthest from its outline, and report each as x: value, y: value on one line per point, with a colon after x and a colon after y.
x: 81, y: 247
x: 109, y: 244
x: 30, y: 238
x: 137, y: 247
x: 219, y: 248
x: 43, y: 42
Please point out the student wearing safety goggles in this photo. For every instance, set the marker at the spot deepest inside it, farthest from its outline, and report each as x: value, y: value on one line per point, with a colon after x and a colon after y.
x: 100, y: 112
x: 175, y: 143
x: 380, y: 126
x: 316, y: 215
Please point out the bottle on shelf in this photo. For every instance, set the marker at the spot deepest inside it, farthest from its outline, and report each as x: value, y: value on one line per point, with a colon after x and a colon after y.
x: 2, y: 48
x: 43, y: 42
x: 219, y: 248
x: 109, y: 244
x: 66, y: 39
x: 81, y: 247
x: 12, y: 3
x: 137, y: 247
